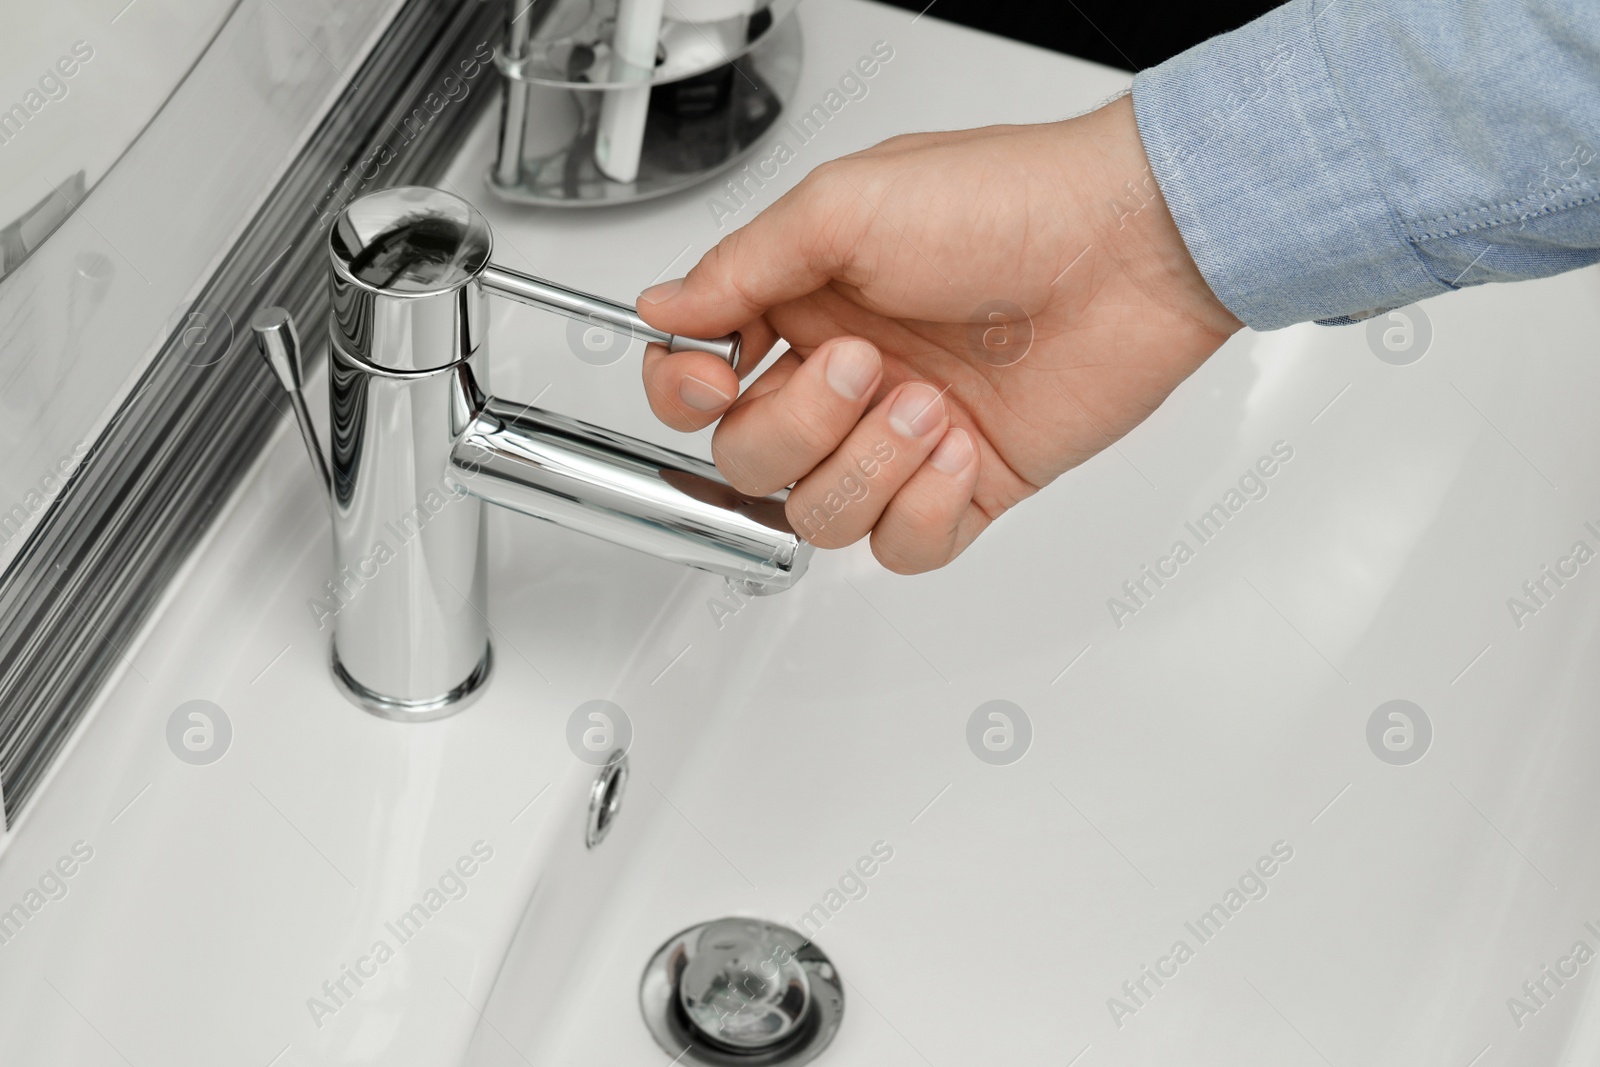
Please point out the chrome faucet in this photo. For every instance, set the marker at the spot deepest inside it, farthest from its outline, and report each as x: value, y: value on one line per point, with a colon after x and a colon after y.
x: 419, y: 446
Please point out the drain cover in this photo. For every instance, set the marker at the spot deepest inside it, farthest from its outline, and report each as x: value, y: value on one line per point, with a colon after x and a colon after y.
x: 741, y: 991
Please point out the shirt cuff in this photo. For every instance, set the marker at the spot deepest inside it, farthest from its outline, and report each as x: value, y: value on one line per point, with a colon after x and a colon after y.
x: 1267, y: 181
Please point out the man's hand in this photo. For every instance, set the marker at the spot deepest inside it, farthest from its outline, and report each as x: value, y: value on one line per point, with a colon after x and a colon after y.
x: 884, y: 414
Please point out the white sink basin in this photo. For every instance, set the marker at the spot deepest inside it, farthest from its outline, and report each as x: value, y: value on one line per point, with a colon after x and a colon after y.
x: 1221, y: 725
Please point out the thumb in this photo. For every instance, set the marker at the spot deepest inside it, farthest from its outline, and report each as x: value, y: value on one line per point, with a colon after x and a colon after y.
x: 788, y: 250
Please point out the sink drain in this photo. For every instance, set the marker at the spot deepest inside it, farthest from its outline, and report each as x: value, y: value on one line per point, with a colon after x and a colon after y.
x: 741, y: 992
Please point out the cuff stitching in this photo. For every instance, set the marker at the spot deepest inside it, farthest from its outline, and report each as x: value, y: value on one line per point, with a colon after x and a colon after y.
x: 1587, y: 186
x: 1493, y: 224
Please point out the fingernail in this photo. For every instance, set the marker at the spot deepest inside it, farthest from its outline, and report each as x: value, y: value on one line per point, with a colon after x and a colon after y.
x: 702, y: 396
x: 916, y: 410
x: 660, y: 294
x: 953, y: 453
x: 852, y: 368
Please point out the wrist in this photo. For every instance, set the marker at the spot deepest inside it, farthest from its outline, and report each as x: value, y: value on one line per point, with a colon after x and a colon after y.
x: 1139, y: 230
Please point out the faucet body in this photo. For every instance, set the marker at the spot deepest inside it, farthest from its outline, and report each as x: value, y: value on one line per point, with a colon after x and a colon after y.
x: 420, y: 447
x: 411, y: 638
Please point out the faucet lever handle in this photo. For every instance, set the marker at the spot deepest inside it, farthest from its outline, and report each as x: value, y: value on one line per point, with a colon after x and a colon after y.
x: 586, y: 307
x: 279, y: 345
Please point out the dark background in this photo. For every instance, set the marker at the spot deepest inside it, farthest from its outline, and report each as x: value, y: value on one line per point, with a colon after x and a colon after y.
x: 1131, y: 34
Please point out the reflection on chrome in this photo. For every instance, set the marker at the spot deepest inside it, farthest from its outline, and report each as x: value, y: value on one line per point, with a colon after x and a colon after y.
x: 419, y: 445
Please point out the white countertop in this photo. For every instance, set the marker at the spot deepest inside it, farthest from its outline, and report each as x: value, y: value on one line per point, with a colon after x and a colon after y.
x: 1169, y: 755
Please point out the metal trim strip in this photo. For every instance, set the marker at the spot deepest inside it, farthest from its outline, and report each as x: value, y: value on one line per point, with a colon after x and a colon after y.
x: 94, y: 569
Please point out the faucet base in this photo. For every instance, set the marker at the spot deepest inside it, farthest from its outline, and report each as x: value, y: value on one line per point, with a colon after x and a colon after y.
x: 426, y: 710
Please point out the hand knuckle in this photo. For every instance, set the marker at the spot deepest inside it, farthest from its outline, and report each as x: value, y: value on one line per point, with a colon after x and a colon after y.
x: 922, y: 515
x: 818, y: 523
x: 893, y: 557
x: 808, y: 519
x: 740, y: 474
x: 807, y: 431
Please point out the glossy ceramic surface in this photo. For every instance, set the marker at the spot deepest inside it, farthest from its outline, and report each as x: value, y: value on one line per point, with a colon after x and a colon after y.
x: 1023, y: 781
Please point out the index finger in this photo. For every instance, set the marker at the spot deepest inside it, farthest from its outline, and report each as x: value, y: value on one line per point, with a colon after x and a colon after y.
x: 794, y: 247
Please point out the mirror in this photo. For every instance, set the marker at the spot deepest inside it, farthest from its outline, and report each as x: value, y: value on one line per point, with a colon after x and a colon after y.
x: 79, y: 81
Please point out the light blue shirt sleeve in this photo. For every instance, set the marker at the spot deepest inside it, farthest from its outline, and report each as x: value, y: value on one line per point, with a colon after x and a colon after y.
x: 1338, y: 158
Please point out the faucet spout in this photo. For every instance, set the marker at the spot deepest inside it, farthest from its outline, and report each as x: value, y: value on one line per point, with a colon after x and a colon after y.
x: 628, y: 492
